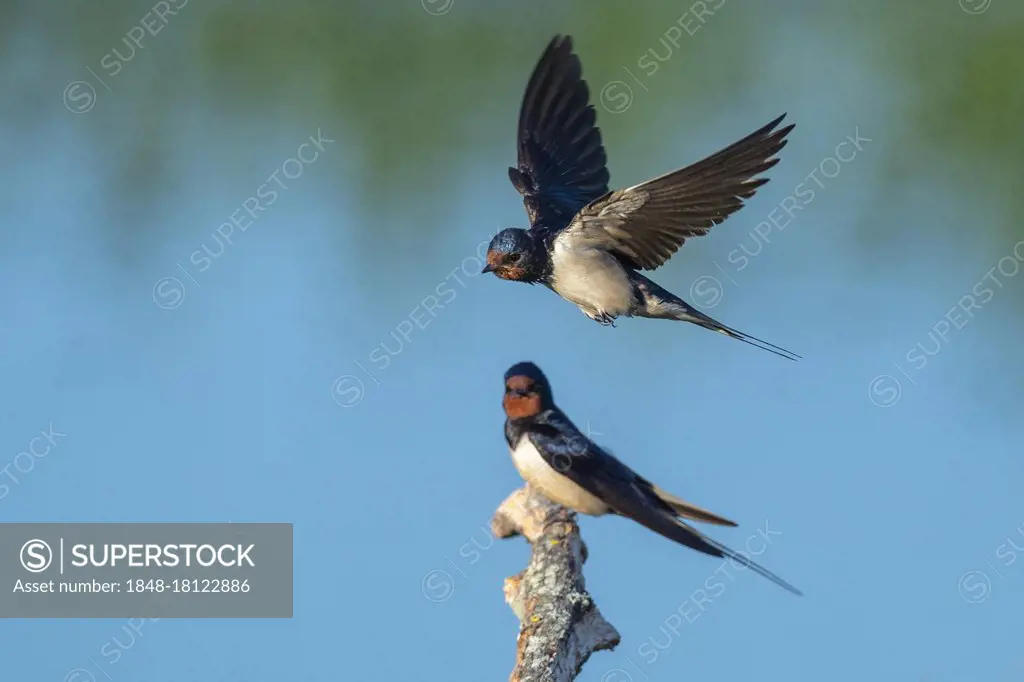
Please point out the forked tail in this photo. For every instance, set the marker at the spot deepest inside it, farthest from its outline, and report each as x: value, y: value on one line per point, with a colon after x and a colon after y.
x: 661, y: 304
x: 690, y: 314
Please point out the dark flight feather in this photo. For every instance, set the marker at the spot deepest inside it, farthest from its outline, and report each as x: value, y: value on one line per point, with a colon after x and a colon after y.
x: 600, y: 473
x: 646, y: 224
x: 561, y: 159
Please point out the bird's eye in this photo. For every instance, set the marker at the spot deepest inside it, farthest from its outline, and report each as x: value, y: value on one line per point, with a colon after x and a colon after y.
x: 516, y: 257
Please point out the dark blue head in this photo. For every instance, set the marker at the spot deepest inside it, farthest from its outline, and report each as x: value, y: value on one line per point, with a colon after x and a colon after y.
x: 516, y: 254
x: 527, y: 392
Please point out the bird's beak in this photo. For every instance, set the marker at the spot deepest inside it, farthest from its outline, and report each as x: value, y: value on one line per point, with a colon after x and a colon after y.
x: 487, y: 268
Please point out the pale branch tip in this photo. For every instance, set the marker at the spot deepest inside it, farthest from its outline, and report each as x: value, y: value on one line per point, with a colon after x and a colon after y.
x: 560, y: 626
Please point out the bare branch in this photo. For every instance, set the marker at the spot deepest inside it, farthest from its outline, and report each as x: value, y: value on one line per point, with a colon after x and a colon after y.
x: 559, y: 624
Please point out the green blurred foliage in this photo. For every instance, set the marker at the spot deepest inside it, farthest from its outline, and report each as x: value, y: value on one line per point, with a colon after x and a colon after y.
x: 412, y: 87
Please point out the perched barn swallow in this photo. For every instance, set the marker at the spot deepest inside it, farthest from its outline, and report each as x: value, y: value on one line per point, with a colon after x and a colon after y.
x: 587, y: 243
x: 568, y: 468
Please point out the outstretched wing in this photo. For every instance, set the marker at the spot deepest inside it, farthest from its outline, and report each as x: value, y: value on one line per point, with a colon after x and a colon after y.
x: 646, y: 224
x: 561, y: 160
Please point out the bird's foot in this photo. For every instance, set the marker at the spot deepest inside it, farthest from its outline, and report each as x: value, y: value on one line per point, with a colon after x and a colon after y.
x: 601, y: 318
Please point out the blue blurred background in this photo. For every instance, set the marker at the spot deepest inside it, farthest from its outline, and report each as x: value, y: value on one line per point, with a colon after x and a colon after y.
x: 286, y: 368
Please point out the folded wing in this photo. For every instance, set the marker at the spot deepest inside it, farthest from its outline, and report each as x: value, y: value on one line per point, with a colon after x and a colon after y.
x: 636, y: 503
x: 688, y: 510
x: 629, y: 495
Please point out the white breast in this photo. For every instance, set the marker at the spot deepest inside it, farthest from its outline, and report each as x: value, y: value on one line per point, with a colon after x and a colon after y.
x: 555, y: 486
x: 589, y: 277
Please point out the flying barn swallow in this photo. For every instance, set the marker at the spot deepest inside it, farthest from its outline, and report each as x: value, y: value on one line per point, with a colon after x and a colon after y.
x: 587, y: 243
x: 553, y: 455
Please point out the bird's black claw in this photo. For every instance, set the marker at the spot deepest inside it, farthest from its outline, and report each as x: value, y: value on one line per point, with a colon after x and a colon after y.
x: 603, y: 319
